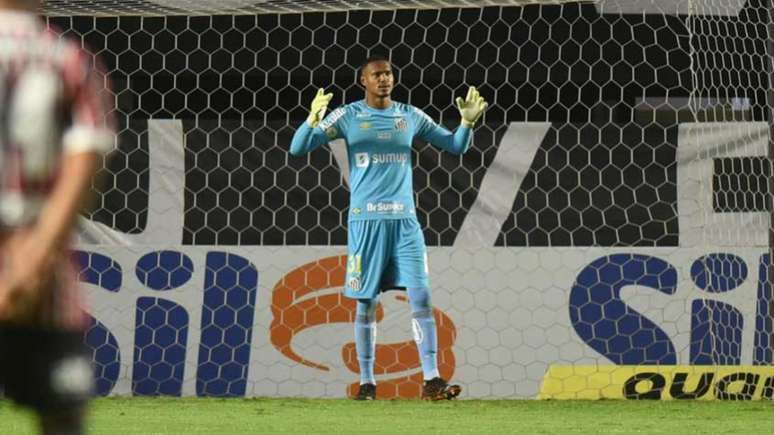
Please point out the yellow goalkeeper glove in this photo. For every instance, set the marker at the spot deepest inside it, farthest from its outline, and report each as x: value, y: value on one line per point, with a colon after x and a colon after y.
x: 472, y: 107
x: 319, y: 106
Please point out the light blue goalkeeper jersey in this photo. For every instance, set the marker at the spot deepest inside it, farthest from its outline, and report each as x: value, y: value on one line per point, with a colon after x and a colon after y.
x: 379, y: 153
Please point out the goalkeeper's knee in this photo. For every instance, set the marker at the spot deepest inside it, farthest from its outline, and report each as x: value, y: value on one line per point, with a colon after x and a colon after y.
x: 366, y: 310
x: 419, y: 299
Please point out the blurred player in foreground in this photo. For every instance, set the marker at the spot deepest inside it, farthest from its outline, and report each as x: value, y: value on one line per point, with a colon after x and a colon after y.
x: 52, y: 135
x: 386, y: 247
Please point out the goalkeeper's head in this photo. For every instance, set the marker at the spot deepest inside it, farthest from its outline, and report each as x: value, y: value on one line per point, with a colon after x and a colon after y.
x: 376, y: 76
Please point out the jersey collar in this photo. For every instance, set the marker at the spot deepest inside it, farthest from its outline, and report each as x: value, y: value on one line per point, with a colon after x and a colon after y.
x: 389, y: 109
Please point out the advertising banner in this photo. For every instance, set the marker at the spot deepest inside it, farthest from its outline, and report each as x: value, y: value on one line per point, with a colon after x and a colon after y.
x: 513, y: 321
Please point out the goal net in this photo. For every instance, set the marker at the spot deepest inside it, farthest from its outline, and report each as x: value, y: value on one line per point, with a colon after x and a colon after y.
x: 605, y: 236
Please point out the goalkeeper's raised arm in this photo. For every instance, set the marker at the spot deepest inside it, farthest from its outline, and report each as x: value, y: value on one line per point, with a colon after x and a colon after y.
x: 471, y: 108
x: 308, y: 136
x: 305, y: 139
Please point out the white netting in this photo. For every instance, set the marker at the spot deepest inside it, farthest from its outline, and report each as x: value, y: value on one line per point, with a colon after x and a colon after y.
x: 613, y: 208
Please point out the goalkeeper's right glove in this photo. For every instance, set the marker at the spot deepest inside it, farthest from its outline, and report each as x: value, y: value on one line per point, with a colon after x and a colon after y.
x: 319, y: 106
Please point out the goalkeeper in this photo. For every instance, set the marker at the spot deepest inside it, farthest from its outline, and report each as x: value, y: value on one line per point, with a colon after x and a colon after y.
x: 386, y: 247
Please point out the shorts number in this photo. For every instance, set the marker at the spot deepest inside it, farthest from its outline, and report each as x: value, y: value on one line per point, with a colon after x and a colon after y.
x: 354, y: 264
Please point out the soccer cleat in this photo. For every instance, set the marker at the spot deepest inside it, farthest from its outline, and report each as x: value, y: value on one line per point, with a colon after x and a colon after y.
x: 438, y: 389
x: 366, y: 392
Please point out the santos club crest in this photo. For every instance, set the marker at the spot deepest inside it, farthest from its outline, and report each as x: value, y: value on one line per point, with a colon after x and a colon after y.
x: 401, y: 124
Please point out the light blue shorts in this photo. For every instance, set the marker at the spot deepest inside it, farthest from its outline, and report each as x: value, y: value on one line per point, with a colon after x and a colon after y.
x: 384, y: 254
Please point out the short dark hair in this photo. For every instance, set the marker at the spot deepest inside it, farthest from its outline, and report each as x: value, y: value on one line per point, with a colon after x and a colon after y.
x: 372, y: 58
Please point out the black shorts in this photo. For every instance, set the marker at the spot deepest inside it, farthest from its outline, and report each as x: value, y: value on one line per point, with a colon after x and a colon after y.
x: 47, y: 370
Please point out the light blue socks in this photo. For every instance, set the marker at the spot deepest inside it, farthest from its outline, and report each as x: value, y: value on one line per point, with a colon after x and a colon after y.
x: 365, y: 338
x: 423, y: 325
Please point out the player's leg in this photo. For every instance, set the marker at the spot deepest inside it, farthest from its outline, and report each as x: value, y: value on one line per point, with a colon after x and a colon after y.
x: 70, y: 384
x: 367, y: 258
x: 409, y: 267
x: 65, y: 422
x: 425, y: 333
x: 365, y: 346
x: 50, y: 372
x: 365, y: 338
x: 411, y: 271
x: 423, y: 326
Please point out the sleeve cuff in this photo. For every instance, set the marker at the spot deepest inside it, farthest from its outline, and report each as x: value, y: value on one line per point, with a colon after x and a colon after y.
x: 87, y: 139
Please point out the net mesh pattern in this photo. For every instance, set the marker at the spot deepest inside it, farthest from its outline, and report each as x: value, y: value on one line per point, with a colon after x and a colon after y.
x: 602, y: 118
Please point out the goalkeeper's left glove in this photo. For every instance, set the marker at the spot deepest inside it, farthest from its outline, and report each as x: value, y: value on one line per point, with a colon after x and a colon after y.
x: 472, y: 107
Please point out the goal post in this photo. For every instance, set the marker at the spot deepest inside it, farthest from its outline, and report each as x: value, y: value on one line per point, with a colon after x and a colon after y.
x: 605, y: 234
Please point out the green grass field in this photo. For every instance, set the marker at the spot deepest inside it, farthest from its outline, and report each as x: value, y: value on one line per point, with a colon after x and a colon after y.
x: 243, y: 416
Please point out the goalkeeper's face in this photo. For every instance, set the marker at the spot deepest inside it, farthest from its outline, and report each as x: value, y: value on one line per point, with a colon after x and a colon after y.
x: 377, y: 79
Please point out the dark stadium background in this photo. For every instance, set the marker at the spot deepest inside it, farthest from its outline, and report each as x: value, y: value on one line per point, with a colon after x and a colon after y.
x: 235, y: 82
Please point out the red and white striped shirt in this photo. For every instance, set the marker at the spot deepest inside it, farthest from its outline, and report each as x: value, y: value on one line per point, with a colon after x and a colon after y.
x: 53, y: 101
